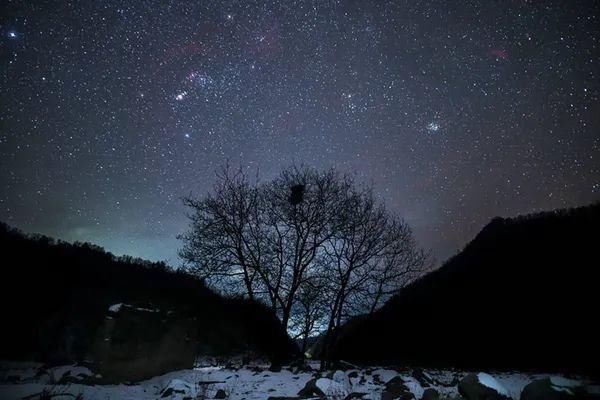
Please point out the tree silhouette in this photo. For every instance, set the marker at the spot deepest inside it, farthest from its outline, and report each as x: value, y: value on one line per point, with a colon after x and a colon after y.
x: 311, y: 244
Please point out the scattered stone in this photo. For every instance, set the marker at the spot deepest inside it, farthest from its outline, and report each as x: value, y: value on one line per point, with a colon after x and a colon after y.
x: 342, y: 380
x: 423, y: 378
x: 430, y: 394
x: 482, y: 387
x: 299, y: 365
x: 311, y: 390
x: 176, y: 389
x: 275, y: 367
x: 355, y: 395
x: 546, y: 389
x: 376, y: 379
x: 282, y: 398
x: 395, y: 389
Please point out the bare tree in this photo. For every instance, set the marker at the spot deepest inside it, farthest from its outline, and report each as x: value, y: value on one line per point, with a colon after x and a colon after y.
x: 370, y: 257
x: 218, y: 247
x: 309, y: 243
x: 301, y: 206
x: 309, y: 313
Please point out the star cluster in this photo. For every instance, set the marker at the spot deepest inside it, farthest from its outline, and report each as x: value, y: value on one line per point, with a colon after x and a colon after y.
x: 455, y: 111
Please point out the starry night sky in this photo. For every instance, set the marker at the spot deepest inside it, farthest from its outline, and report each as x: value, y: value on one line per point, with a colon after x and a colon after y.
x: 456, y: 112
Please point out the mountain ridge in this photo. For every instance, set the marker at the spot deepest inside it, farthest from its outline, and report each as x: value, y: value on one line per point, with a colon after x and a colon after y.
x: 512, y: 298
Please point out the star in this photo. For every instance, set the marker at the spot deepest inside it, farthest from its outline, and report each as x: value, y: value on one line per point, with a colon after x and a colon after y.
x: 326, y: 84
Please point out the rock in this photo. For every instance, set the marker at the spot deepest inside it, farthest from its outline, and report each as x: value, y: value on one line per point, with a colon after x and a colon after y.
x: 548, y: 389
x: 395, y: 389
x: 355, y: 395
x: 137, y: 343
x: 342, y: 381
x: 377, y: 379
x: 423, y: 378
x: 311, y: 390
x: 300, y: 365
x: 482, y: 387
x: 220, y: 394
x: 282, y: 398
x: 177, y: 389
x: 275, y: 367
x: 430, y: 394
x: 337, y: 386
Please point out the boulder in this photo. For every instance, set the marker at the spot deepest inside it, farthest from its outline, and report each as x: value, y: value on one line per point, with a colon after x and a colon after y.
x: 300, y: 365
x: 221, y: 394
x: 275, y: 367
x: 430, y: 394
x: 336, y: 385
x: 423, y: 377
x: 395, y: 389
x: 342, y: 381
x: 139, y: 342
x: 177, y: 390
x: 549, y: 389
x: 311, y: 390
x: 482, y: 386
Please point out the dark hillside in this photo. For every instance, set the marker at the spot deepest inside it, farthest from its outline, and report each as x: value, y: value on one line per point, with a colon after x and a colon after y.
x: 55, y: 297
x: 522, y: 294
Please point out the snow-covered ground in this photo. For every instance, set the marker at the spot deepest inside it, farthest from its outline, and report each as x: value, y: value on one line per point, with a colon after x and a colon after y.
x: 28, y: 380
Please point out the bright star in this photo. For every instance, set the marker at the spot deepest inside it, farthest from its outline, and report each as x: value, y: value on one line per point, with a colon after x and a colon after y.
x: 187, y: 135
x: 181, y: 96
x: 12, y: 34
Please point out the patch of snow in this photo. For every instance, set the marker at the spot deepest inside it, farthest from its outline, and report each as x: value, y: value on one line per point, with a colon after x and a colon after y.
x: 333, y: 388
x: 146, y: 309
x: 414, y: 386
x: 492, y: 383
x: 255, y: 383
x: 117, y: 307
x: 385, y: 375
x: 515, y: 382
x: 564, y: 382
x: 178, y: 389
x: 341, y: 378
x: 75, y: 371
